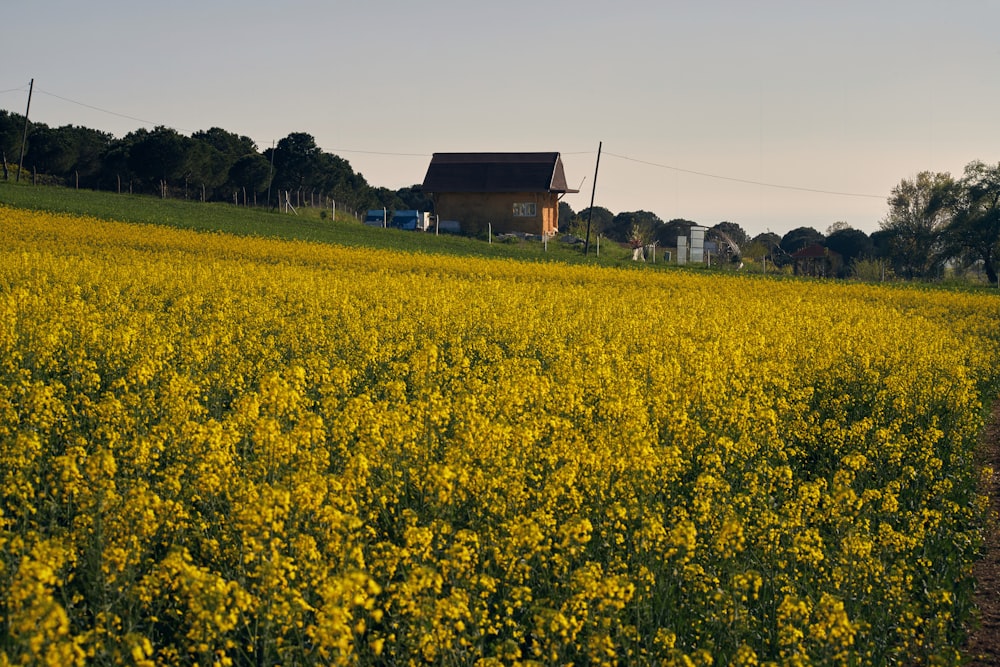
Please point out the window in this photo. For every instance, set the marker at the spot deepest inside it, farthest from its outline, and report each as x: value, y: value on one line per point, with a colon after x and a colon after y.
x: 524, y: 210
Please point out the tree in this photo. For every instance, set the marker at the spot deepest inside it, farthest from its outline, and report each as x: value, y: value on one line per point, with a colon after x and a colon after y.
x: 840, y: 225
x: 229, y: 144
x: 49, y: 151
x: 735, y: 233
x: 389, y: 199
x: 415, y: 199
x: 628, y: 225
x: 89, y: 147
x: 799, y: 238
x: 567, y: 218
x: 919, y: 209
x: 67, y: 151
x: 667, y: 233
x: 207, y: 168
x: 11, y: 133
x: 158, y: 156
x: 252, y: 171
x: 295, y: 161
x: 600, y: 219
x: 334, y: 177
x: 763, y: 246
x: 731, y: 239
x: 975, y: 227
x: 851, y: 245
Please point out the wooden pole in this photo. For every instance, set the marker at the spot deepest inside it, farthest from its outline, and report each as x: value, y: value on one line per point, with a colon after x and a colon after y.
x: 24, y: 137
x: 270, y: 172
x: 593, y: 191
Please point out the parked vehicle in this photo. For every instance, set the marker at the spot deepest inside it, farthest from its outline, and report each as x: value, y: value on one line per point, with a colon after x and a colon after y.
x: 411, y: 220
x: 376, y: 217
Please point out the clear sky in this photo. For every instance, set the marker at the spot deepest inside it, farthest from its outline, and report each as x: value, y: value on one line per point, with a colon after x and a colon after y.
x: 773, y: 114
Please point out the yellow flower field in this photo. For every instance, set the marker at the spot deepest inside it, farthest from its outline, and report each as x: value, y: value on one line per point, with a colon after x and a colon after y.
x: 219, y: 450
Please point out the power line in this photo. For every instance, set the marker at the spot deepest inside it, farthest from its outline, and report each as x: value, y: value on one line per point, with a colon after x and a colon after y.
x: 113, y: 113
x: 426, y: 155
x: 744, y: 180
x: 348, y: 150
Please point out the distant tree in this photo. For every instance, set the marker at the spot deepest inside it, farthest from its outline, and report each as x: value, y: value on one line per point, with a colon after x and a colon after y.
x: 414, y: 198
x: 764, y: 246
x: 302, y: 168
x: 975, y: 228
x: 207, y: 169
x: 667, y: 233
x: 115, y: 170
x: 730, y: 238
x: 211, y: 158
x: 384, y: 197
x: 252, y: 171
x: 11, y: 132
x: 919, y: 210
x: 66, y: 152
x: 799, y: 238
x: 734, y: 231
x: 851, y: 245
x: 334, y: 177
x: 567, y: 218
x: 49, y: 151
x: 296, y: 161
x: 881, y: 244
x: 600, y: 219
x: 160, y: 154
x: 229, y: 144
x: 90, y: 146
x: 633, y: 224
x: 836, y: 227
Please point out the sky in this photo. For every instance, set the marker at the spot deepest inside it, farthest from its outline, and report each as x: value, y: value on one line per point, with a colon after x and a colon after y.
x: 773, y: 114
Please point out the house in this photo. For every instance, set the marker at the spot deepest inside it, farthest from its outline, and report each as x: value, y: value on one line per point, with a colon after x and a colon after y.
x: 512, y: 192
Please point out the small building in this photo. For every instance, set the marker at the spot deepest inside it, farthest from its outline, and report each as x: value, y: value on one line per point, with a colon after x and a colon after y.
x: 817, y: 261
x: 512, y: 192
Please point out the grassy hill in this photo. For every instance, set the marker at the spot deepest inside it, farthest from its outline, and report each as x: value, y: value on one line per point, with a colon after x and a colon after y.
x: 310, y: 224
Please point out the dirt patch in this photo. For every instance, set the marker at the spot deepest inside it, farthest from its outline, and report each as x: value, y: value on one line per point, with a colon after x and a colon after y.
x: 983, y: 648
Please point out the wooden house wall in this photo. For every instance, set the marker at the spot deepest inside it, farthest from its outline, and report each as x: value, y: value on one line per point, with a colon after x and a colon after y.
x: 475, y: 211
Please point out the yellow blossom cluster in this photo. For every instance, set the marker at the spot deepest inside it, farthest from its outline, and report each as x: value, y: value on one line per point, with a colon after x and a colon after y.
x: 234, y: 451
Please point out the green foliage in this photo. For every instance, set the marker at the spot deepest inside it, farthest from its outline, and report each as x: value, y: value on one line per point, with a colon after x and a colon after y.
x: 732, y: 232
x: 851, y: 245
x: 919, y: 210
x: 870, y: 270
x: 974, y: 232
x: 159, y: 155
x: 799, y: 238
x: 666, y: 234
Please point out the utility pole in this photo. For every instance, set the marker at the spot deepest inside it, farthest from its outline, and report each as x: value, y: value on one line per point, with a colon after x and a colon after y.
x: 270, y: 172
x: 593, y: 191
x: 24, y: 138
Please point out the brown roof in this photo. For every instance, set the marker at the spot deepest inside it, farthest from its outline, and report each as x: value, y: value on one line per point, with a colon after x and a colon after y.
x: 496, y: 172
x: 813, y: 251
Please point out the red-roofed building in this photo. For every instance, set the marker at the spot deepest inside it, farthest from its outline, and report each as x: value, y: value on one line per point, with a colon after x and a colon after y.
x: 816, y: 260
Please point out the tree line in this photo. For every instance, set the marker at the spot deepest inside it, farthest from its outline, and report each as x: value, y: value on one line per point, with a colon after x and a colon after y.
x: 210, y: 165
x: 936, y: 223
